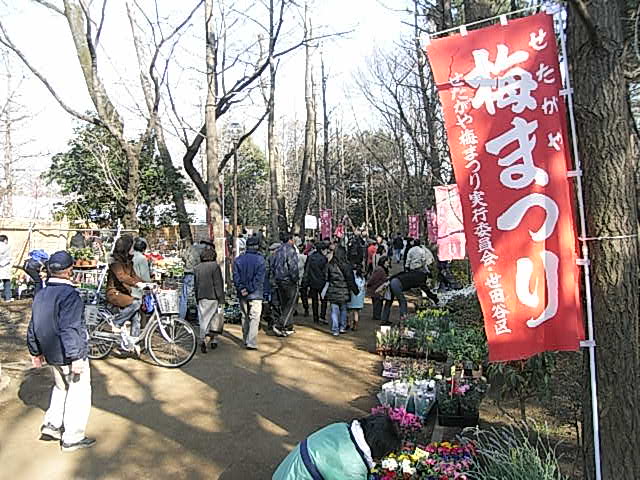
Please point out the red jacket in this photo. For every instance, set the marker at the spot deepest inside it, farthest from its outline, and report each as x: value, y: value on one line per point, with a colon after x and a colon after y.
x: 371, y: 251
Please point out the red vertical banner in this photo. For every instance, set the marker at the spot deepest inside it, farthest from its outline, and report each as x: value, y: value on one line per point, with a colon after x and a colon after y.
x: 451, y: 240
x: 500, y: 89
x: 325, y: 224
x: 414, y: 226
x: 431, y: 224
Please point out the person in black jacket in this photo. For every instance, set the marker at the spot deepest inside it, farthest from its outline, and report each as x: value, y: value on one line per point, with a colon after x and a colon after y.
x: 400, y: 283
x: 209, y: 288
x: 314, y: 278
x: 341, y: 284
x: 57, y: 334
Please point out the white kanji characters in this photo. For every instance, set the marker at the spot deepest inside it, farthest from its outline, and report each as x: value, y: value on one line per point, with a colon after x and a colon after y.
x: 460, y: 107
x: 537, y: 40
x: 544, y: 74
x: 477, y: 199
x: 474, y: 181
x: 501, y: 326
x: 555, y: 139
x: 493, y: 280
x: 499, y: 311
x: 514, y: 87
x: 485, y: 245
x: 482, y: 230
x: 496, y: 295
x: 518, y: 175
x: 463, y: 120
x: 473, y: 165
x: 512, y: 217
x: 488, y: 258
x: 468, y: 137
x: 524, y: 274
x: 479, y: 214
x: 550, y: 105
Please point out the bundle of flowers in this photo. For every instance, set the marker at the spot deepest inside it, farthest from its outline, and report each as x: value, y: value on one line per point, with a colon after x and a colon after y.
x: 436, y: 461
x: 409, y: 424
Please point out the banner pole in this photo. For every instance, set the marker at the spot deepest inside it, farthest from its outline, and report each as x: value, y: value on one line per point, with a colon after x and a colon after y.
x: 590, y: 344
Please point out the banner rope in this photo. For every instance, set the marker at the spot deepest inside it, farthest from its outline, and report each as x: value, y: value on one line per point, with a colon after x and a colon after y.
x: 552, y: 5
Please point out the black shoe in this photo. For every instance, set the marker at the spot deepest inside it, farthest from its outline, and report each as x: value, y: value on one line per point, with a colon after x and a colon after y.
x: 316, y: 320
x: 84, y: 443
x: 203, y: 347
x: 213, y: 345
x: 306, y: 313
x: 48, y: 432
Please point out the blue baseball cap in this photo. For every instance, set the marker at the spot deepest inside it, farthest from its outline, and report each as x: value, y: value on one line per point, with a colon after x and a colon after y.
x: 60, y: 261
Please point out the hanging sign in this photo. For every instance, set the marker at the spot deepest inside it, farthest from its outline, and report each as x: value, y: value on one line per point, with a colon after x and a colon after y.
x: 500, y: 89
x: 325, y: 224
x: 431, y: 225
x: 414, y: 226
x: 449, y: 228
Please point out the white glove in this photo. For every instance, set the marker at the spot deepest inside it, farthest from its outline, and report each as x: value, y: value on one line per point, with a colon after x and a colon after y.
x: 141, y: 285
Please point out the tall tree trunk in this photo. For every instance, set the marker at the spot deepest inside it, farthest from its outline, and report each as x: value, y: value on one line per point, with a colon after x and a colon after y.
x: 176, y: 190
x: 213, y: 183
x: 7, y: 197
x: 328, y: 188
x: 306, y: 170
x: 605, y: 139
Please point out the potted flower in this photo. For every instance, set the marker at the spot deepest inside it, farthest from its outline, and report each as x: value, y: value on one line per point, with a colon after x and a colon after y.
x: 459, y: 401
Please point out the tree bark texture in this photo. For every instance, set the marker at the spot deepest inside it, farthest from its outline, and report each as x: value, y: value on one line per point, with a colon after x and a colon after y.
x: 325, y: 143
x: 80, y: 28
x: 176, y: 191
x: 605, y: 138
x: 307, y: 168
x: 215, y: 208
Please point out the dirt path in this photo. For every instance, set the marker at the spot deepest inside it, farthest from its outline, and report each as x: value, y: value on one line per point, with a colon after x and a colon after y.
x: 229, y: 414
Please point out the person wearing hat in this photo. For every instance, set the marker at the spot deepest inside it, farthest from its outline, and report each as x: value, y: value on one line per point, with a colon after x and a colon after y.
x: 57, y: 334
x: 248, y: 278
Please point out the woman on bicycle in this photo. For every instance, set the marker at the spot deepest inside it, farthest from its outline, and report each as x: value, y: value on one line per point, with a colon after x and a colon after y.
x: 120, y: 281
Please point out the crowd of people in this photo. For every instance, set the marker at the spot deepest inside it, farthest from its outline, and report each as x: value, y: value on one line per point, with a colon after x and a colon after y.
x: 327, y: 277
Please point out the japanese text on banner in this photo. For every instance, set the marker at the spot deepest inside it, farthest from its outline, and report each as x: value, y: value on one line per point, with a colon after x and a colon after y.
x: 505, y: 118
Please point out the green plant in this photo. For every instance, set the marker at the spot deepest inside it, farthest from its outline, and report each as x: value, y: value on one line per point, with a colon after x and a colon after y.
x: 514, y: 453
x: 524, y: 379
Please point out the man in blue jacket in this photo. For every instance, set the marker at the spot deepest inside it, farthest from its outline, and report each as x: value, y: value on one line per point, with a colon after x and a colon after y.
x: 58, y: 334
x: 248, y: 278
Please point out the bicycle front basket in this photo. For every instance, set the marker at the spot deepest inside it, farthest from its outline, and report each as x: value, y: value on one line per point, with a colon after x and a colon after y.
x: 168, y: 301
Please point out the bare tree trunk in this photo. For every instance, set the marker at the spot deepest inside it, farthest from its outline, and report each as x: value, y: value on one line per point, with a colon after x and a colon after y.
x: 606, y: 137
x: 176, y: 191
x: 213, y: 183
x: 306, y: 171
x: 328, y: 188
x: 7, y: 197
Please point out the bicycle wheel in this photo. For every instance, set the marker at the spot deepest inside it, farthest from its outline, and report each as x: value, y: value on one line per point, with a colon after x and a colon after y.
x: 100, y: 344
x: 177, y: 348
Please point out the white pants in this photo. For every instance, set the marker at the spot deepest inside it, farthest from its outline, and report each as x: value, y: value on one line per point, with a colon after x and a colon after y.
x: 70, y: 406
x: 251, y: 310
x: 208, y: 318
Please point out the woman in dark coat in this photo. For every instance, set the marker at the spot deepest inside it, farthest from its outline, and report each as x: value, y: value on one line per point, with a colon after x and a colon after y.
x: 378, y: 278
x: 341, y: 284
x: 120, y: 280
